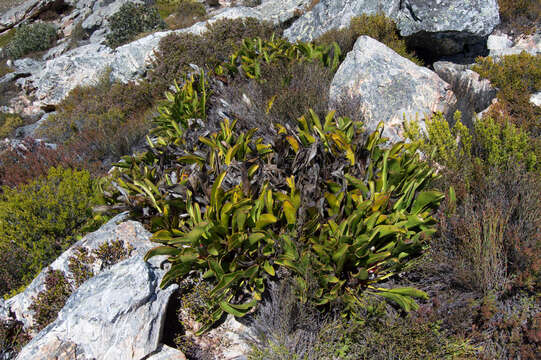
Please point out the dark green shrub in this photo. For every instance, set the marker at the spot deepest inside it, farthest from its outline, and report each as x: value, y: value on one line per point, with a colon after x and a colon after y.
x: 516, y: 77
x: 130, y: 20
x: 377, y: 27
x: 112, y: 252
x: 31, y: 38
x: 176, y: 52
x: 80, y: 266
x: 48, y: 303
x: 12, y: 338
x: 77, y: 35
x: 44, y: 217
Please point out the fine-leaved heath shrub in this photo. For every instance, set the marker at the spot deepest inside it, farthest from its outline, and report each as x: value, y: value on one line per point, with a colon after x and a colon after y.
x: 44, y: 217
x: 520, y: 16
x: 31, y: 38
x: 131, y: 20
x: 51, y: 300
x: 516, y: 77
x: 177, y: 51
x: 377, y: 26
x: 8, y: 123
x: 180, y: 14
x: 12, y: 338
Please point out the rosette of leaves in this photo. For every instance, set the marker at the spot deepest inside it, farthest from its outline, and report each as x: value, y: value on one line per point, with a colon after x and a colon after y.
x: 376, y: 214
x: 228, y: 234
x: 255, y: 52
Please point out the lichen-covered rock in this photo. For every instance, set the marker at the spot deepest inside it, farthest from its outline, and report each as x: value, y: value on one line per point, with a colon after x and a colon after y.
x: 130, y: 232
x: 118, y: 314
x: 283, y: 10
x: 444, y: 27
x: 474, y: 94
x: 27, y: 10
x: 386, y: 87
x: 501, y: 45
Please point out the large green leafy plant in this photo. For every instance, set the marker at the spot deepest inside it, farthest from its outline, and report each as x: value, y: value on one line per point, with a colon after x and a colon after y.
x: 227, y: 207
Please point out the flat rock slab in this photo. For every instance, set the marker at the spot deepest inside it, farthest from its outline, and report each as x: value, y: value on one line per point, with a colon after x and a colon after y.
x: 386, y: 87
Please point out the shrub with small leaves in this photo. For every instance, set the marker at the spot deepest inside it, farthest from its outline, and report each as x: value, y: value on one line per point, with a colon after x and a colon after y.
x: 8, y: 123
x: 112, y: 252
x: 12, y: 338
x: 130, y: 20
x: 44, y: 217
x: 31, y: 38
x: 80, y: 266
x: 50, y: 301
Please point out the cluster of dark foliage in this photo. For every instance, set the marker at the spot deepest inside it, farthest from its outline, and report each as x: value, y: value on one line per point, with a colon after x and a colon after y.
x: 41, y: 219
x: 520, y: 16
x: 377, y: 27
x: 30, y: 39
x: 51, y: 300
x: 12, y: 337
x: 131, y: 20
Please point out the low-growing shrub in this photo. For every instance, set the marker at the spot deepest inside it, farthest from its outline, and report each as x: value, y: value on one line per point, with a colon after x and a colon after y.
x: 4, y: 68
x: 6, y: 38
x: 32, y: 159
x: 8, y: 123
x: 51, y: 300
x: 80, y: 266
x: 12, y: 338
x: 377, y: 27
x: 181, y: 14
x: 130, y: 20
x: 516, y: 77
x: 177, y: 51
x: 520, y: 16
x: 44, y: 217
x: 31, y: 38
x: 101, y: 122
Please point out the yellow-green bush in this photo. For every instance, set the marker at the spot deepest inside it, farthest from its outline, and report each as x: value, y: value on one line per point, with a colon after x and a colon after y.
x: 492, y: 143
x: 181, y: 13
x: 516, y: 77
x: 8, y: 123
x: 44, y: 217
x: 522, y: 16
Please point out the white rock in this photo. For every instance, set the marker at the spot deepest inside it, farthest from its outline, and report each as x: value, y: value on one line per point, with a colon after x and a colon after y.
x: 384, y: 86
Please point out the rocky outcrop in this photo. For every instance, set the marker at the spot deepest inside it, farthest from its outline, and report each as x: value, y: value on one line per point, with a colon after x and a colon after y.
x: 117, y: 314
x: 474, y: 94
x: 386, y: 87
x: 27, y: 10
x: 502, y: 44
x: 443, y: 27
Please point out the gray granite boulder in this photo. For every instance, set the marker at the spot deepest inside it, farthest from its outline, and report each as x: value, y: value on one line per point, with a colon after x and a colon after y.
x: 386, y: 87
x: 27, y: 10
x: 117, y: 314
x: 474, y: 94
x: 444, y: 27
x: 501, y: 44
